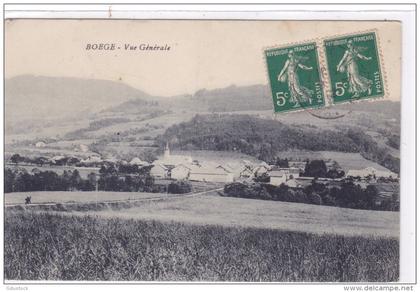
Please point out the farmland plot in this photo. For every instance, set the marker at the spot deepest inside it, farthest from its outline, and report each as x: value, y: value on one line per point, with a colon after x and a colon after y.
x: 41, y: 246
x: 237, y: 212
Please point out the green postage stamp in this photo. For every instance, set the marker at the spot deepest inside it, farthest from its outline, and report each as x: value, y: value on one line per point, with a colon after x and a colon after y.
x: 354, y: 68
x: 352, y: 62
x: 294, y: 75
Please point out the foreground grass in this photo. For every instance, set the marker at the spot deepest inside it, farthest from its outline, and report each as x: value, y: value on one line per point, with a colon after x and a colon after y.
x: 54, y: 247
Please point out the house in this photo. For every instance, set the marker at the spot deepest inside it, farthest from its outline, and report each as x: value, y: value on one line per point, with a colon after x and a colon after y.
x: 111, y: 160
x: 371, y: 171
x: 210, y: 173
x: 180, y: 172
x: 35, y: 171
x: 94, y: 158
x: 40, y: 144
x: 291, y: 172
x: 57, y: 158
x: 230, y: 167
x: 81, y: 148
x: 304, y: 181
x: 277, y: 177
x: 159, y: 171
x: 246, y: 172
x: 301, y: 165
x: 261, y: 169
x: 235, y: 168
x: 138, y: 161
x: 292, y: 183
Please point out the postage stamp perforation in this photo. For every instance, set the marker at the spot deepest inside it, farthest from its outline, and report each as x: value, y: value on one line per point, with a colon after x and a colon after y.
x: 365, y: 75
x: 267, y: 74
x: 325, y: 74
x: 297, y: 54
x: 289, y: 44
x: 381, y: 63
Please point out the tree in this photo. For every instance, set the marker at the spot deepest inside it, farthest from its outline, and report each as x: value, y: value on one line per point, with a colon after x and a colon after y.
x: 16, y: 158
x: 9, y: 180
x: 179, y: 187
x: 75, y: 180
x: 266, y: 152
x: 40, y: 161
x: 350, y: 196
x: 284, y: 163
x: 236, y: 189
x: 61, y: 161
x: 264, y: 177
x: 393, y: 141
x: 66, y: 179
x: 316, y: 168
x: 92, y: 178
x: 315, y: 199
x: 371, y: 193
x: 73, y: 160
x: 335, y: 173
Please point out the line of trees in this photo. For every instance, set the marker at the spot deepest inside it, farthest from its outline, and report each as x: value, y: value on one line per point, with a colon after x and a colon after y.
x: 318, y: 168
x: 23, y: 181
x: 109, y: 179
x: 41, y: 161
x: 126, y: 178
x: 348, y: 195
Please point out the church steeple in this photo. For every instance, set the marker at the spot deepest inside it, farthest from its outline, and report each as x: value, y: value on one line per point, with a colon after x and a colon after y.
x: 167, y: 152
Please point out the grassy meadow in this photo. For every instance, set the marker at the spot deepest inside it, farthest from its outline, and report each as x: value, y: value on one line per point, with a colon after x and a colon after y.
x: 41, y: 246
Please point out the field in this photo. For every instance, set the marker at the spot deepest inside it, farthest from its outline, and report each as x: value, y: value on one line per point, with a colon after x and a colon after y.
x: 237, y: 212
x: 41, y: 246
x: 210, y: 208
x: 195, y: 238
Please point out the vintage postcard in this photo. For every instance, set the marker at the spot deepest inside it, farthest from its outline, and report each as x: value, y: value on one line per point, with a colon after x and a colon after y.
x: 202, y: 150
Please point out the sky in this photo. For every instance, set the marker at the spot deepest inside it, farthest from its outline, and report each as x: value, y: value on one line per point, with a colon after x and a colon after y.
x: 203, y: 54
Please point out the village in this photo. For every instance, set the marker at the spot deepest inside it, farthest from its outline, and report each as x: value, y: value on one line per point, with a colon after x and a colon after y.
x: 181, y: 167
x: 174, y: 167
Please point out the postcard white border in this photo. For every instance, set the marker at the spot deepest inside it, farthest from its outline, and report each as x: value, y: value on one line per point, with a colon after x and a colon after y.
x: 404, y: 13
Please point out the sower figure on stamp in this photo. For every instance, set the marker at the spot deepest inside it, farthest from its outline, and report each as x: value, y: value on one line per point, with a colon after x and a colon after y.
x: 28, y: 200
x: 298, y: 92
x: 357, y: 83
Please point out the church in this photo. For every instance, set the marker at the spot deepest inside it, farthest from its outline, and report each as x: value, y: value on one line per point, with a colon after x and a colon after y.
x: 183, y: 167
x: 171, y: 161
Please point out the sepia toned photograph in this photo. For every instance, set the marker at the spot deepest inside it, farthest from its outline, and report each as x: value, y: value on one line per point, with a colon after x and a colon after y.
x: 202, y: 150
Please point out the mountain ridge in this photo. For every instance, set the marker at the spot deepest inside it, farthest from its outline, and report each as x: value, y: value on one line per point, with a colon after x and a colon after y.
x: 70, y: 96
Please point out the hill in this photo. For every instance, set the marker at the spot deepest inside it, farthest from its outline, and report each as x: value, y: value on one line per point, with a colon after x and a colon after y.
x: 134, y: 106
x: 67, y: 95
x: 264, y: 138
x: 234, y: 98
x: 29, y: 96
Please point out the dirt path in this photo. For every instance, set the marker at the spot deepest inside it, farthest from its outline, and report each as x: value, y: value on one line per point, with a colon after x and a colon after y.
x: 128, y: 200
